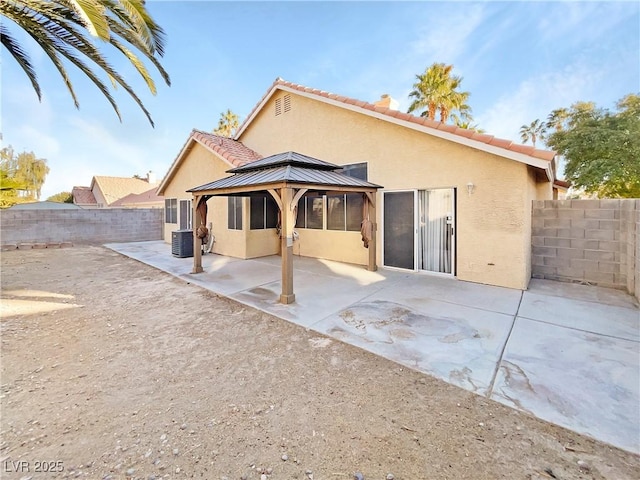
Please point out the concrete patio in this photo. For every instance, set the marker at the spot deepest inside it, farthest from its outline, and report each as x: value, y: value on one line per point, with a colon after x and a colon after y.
x: 566, y: 353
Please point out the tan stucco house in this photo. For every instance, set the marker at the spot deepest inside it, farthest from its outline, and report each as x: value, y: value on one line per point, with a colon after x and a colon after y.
x: 453, y: 201
x: 119, y: 192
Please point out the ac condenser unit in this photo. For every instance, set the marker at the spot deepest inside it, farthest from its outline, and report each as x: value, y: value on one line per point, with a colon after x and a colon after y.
x: 182, y: 243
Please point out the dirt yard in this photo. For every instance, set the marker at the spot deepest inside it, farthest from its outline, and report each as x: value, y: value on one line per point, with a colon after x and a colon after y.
x: 112, y: 370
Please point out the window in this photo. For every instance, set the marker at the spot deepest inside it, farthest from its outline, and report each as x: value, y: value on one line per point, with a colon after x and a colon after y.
x: 171, y: 210
x: 263, y: 213
x: 186, y: 213
x: 356, y: 170
x: 310, y: 211
x: 234, y: 213
x: 344, y: 212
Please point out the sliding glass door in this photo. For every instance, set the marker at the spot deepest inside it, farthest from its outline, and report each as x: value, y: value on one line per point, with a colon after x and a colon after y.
x: 435, y: 230
x: 419, y: 230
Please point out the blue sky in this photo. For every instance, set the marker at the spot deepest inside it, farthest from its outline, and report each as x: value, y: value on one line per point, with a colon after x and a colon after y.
x: 519, y: 60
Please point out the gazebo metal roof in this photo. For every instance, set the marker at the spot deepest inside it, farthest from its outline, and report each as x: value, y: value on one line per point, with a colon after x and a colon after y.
x: 288, y: 167
x: 287, y: 177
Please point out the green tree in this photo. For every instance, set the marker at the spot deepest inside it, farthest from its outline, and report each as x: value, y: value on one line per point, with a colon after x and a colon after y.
x: 227, y: 124
x: 66, y: 29
x: 535, y: 131
x: 437, y: 90
x: 602, y: 148
x: 32, y: 172
x: 21, y: 175
x: 62, y: 197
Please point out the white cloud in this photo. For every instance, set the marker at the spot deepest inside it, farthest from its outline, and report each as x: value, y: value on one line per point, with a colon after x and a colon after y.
x: 578, y: 25
x: 444, y: 36
x: 536, y: 97
x: 96, y: 138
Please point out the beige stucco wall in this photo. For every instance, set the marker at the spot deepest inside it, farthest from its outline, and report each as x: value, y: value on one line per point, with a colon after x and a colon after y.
x: 493, y: 223
x: 331, y: 245
x: 200, y: 166
x: 101, y: 202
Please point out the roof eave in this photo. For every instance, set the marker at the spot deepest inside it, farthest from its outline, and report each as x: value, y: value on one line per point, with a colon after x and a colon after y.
x: 188, y: 146
x: 258, y: 108
x: 518, y: 157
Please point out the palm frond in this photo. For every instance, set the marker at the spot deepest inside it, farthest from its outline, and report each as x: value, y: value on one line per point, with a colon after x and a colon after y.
x: 43, y: 31
x: 21, y: 57
x: 63, y: 28
x: 92, y: 13
x: 133, y: 14
x: 135, y: 61
x: 135, y: 41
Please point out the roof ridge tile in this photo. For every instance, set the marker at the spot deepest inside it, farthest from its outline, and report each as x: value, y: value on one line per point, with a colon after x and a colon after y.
x: 483, y: 138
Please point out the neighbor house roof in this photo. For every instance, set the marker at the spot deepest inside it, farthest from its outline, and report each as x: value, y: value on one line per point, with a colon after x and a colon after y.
x: 83, y: 196
x: 505, y: 148
x: 229, y: 150
x: 114, y: 188
x: 150, y: 197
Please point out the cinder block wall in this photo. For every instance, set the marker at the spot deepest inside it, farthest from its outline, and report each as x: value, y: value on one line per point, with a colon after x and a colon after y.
x: 80, y: 226
x: 590, y: 241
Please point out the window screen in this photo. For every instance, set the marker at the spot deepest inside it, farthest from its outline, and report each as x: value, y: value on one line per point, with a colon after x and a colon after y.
x: 310, y: 211
x: 263, y: 213
x: 185, y: 215
x: 171, y: 210
x: 234, y: 213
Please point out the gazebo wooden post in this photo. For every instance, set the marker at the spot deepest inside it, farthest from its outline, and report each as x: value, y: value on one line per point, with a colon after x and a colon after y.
x: 286, y: 195
x: 372, y: 266
x: 197, y: 251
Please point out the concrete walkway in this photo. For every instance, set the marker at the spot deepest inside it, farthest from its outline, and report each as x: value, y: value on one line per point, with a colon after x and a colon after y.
x: 566, y: 353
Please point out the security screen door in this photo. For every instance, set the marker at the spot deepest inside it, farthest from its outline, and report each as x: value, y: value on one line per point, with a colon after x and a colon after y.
x: 399, y: 229
x: 419, y: 230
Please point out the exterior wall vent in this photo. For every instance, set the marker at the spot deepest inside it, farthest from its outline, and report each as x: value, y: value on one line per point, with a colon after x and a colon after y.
x: 278, y: 106
x: 287, y: 103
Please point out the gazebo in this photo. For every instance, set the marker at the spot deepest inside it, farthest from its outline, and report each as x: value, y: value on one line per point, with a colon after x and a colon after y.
x: 287, y: 177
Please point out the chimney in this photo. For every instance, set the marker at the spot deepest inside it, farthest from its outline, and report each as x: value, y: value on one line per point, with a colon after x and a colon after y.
x: 151, y: 178
x: 387, y: 102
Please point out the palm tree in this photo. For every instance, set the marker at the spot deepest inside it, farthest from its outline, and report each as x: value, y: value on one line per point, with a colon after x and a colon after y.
x: 467, y: 125
x: 66, y: 28
x: 227, y: 124
x: 534, y: 131
x: 557, y: 119
x: 436, y: 90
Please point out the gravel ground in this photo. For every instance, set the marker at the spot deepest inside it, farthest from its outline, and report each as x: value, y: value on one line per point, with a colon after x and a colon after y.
x: 112, y: 370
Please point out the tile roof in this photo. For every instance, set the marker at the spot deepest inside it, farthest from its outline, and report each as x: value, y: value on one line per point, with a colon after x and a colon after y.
x: 421, y: 121
x: 150, y: 196
x: 83, y: 196
x: 230, y: 150
x: 114, y: 188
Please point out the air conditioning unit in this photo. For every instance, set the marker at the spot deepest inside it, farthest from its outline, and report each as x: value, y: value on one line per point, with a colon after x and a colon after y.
x: 182, y: 243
